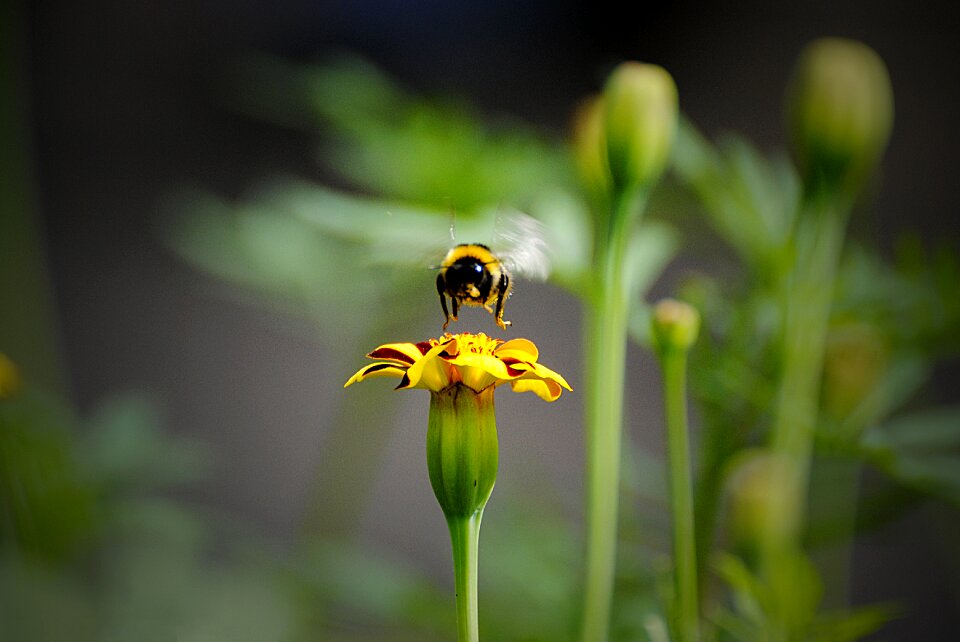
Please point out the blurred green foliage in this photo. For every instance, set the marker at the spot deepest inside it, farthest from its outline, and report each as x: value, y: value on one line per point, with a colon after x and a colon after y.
x: 891, y: 324
x: 97, y: 547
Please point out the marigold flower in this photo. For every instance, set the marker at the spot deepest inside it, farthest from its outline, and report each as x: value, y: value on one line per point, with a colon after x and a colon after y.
x: 462, y: 371
x: 474, y: 360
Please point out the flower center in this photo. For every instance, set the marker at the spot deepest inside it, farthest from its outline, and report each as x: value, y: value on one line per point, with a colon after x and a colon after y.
x: 479, y: 344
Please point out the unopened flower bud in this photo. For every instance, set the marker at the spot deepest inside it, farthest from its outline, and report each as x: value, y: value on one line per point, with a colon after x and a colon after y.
x: 640, y: 105
x: 840, y: 111
x: 855, y: 361
x: 758, y: 487
x: 675, y: 325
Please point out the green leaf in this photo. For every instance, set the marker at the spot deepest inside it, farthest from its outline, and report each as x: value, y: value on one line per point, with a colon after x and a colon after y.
x: 126, y: 447
x: 921, y: 450
x: 854, y: 624
x: 934, y: 430
x: 747, y: 589
x: 904, y: 377
x: 388, y: 141
x: 935, y: 474
x: 315, y: 254
x: 750, y: 201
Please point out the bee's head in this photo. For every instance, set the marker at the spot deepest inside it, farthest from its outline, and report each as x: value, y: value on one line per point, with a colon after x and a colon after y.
x: 467, y: 270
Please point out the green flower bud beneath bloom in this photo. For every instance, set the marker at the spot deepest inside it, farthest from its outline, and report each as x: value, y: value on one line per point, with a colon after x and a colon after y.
x: 840, y: 111
x: 675, y: 325
x: 462, y: 449
x: 640, y: 122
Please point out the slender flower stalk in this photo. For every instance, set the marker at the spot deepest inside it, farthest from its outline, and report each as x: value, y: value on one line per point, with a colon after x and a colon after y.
x: 461, y: 372
x: 606, y: 346
x: 675, y: 327
x: 840, y: 112
x: 622, y: 142
x: 820, y: 236
x: 465, y: 540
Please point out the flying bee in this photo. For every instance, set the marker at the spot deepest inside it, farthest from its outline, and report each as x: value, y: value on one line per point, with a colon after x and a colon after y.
x: 472, y: 274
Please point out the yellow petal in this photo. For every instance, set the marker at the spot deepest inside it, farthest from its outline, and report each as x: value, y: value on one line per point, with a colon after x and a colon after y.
x: 519, y: 349
x: 379, y: 369
x: 430, y: 372
x: 547, y: 390
x: 404, y: 353
x: 544, y: 372
x: 477, y: 371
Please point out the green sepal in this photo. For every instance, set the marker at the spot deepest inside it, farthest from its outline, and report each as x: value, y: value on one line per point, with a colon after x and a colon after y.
x: 462, y: 449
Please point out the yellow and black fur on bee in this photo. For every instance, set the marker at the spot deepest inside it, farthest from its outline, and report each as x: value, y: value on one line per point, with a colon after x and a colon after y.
x: 470, y: 274
x: 473, y: 274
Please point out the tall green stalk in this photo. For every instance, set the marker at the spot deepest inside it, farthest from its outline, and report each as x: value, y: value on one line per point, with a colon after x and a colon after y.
x: 809, y: 293
x: 622, y: 141
x: 840, y: 112
x: 605, y: 350
x: 681, y: 494
x: 675, y: 326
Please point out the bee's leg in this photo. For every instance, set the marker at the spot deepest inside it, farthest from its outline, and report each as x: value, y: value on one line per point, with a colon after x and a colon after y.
x: 441, y: 290
x: 504, y: 292
x: 455, y: 304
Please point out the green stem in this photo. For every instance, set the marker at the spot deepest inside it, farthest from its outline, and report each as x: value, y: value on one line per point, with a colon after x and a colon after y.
x: 809, y: 295
x: 465, y: 538
x: 605, y: 350
x: 674, y: 364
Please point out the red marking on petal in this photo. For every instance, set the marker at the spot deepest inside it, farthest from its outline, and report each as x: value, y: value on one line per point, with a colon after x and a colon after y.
x: 424, y: 347
x: 375, y: 367
x: 391, y: 353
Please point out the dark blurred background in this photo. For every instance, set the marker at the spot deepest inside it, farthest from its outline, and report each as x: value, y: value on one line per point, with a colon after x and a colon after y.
x: 124, y: 102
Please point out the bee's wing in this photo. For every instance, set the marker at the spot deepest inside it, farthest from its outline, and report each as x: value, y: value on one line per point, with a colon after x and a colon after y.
x: 520, y: 242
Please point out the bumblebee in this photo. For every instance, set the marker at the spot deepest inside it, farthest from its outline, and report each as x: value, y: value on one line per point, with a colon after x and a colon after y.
x: 470, y: 274
x: 474, y: 275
